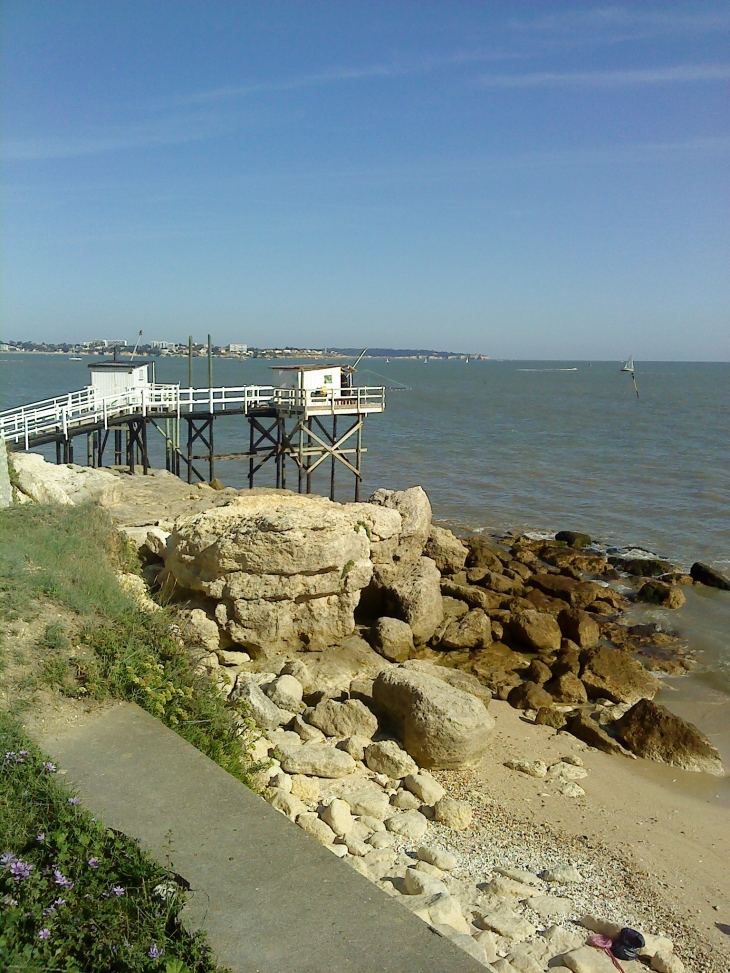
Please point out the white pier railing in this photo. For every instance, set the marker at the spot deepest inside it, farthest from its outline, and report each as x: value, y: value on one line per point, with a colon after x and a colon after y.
x: 67, y: 415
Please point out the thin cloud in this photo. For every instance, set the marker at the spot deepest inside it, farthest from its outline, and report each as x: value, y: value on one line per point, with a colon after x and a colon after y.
x: 686, y: 73
x: 607, y: 18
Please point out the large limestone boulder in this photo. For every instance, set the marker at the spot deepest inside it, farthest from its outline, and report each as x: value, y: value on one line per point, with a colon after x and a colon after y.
x: 438, y: 724
x: 67, y: 484
x: 612, y: 674
x: 445, y: 550
x: 392, y: 638
x: 287, y: 570
x: 416, y: 597
x: 414, y: 508
x: 652, y: 731
x: 471, y: 631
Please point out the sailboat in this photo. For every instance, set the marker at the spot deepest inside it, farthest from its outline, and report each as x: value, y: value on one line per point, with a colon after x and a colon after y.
x: 629, y: 367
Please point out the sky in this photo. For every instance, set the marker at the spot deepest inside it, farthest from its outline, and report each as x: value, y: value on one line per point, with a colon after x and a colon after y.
x: 522, y: 180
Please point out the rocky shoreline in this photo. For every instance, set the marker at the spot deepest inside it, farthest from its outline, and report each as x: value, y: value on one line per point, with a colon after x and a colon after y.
x: 369, y: 644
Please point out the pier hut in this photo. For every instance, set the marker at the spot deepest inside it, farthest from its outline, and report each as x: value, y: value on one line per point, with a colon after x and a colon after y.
x: 310, y: 416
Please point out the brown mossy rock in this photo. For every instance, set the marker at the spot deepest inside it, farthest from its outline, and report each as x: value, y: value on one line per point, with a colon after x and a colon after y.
x: 574, y: 538
x: 582, y: 726
x: 544, y: 603
x: 471, y: 595
x: 567, y: 688
x: 579, y: 627
x: 567, y: 659
x: 538, y: 672
x: 611, y: 674
x: 641, y: 567
x: 661, y: 593
x: 536, y: 630
x: 528, y: 695
x: 650, y: 730
x: 500, y: 683
x: 707, y: 575
x: 502, y: 585
x: 484, y: 553
x: 548, y: 716
x: 470, y: 631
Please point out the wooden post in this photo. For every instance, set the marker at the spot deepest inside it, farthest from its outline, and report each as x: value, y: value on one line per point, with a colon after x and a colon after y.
x: 309, y: 458
x: 334, y: 459
x: 211, y: 451
x: 210, y: 363
x: 117, y: 447
x: 251, y: 421
x: 89, y: 449
x: 190, y: 449
x: 145, y: 457
x: 358, y: 475
x: 281, y: 436
x: 301, y: 456
x: 190, y: 361
x: 58, y: 452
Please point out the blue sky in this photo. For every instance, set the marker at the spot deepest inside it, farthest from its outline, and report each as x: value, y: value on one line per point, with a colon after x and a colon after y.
x: 526, y: 180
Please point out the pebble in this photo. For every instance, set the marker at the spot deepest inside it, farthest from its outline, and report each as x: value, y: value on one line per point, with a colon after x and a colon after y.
x: 425, y: 787
x: 305, y: 788
x: 533, y: 768
x: 337, y: 815
x: 405, y: 801
x: 438, y: 857
x: 562, y: 875
x: 315, y: 827
x: 381, y: 840
x: 388, y: 758
x: 408, y: 824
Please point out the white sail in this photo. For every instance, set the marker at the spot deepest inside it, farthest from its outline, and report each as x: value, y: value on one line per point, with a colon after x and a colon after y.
x: 629, y: 366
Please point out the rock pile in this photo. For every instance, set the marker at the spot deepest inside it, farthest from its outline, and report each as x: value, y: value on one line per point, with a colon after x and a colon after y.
x: 348, y: 785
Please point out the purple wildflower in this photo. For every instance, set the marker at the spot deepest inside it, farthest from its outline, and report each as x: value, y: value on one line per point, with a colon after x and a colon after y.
x: 20, y: 869
x: 61, y: 880
x: 8, y: 900
x: 154, y: 952
x: 93, y: 863
x: 7, y: 858
x: 23, y: 753
x: 41, y: 836
x: 51, y: 768
x: 118, y: 890
x: 74, y: 800
x: 44, y: 934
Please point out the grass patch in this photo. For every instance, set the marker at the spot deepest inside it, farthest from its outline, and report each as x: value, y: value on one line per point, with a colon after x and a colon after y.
x: 73, y: 556
x: 75, y: 896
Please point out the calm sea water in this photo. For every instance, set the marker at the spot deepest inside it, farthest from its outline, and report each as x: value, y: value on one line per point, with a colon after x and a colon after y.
x: 504, y: 444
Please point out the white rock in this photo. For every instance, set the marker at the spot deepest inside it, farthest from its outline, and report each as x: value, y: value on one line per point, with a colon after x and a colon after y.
x: 520, y: 875
x: 259, y: 751
x: 359, y: 865
x: 388, y: 758
x: 426, y: 788
x: 372, y: 824
x: 305, y: 788
x: 381, y: 840
x: 602, y: 926
x: 462, y: 940
x: 523, y: 962
x: 664, y: 961
x: 587, y: 959
x: 405, y: 801
x: 431, y: 870
x: 282, y: 781
x: 550, y: 905
x: 408, y: 824
x: 505, y: 922
x: 561, y: 940
x: 533, y: 768
x: 337, y: 815
x: 562, y: 875
x: 655, y: 944
x: 310, y: 822
x: 301, y: 673
x: 285, y: 692
x: 444, y: 910
x: 567, y: 771
x: 339, y: 850
x: 416, y: 883
x: 308, y: 734
x: 507, y: 888
x: 284, y: 738
x: 487, y: 941
x: 438, y: 857
x: 453, y: 814
x: 66, y: 483
x: 361, y: 831
x: 232, y: 657
x: 266, y: 715
x: 368, y: 800
x: 289, y: 805
x: 355, y: 846
x: 316, y: 760
x: 570, y: 789
x: 351, y: 718
x: 392, y: 638
x: 355, y: 746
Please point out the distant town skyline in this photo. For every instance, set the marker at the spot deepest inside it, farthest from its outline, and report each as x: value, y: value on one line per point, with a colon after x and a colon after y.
x: 521, y: 181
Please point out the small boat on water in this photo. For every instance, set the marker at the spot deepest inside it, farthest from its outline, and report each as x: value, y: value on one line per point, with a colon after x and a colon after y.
x: 629, y: 366
x: 74, y: 358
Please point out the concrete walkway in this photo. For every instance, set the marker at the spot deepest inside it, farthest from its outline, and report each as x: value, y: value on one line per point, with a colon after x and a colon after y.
x: 271, y: 899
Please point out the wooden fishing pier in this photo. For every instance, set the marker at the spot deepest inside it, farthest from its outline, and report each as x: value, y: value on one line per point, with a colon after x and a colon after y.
x: 313, y: 417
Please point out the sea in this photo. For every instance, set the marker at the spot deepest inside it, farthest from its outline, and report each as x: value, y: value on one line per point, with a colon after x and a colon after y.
x: 517, y: 445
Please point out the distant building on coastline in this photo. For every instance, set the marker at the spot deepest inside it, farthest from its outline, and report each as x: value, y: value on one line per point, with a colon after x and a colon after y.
x: 164, y: 345
x: 237, y: 349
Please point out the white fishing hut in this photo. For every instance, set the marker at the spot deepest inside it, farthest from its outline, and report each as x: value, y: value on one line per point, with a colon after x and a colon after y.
x: 321, y: 379
x: 113, y: 377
